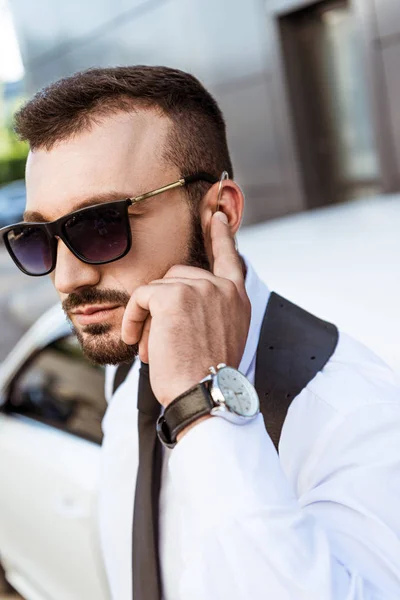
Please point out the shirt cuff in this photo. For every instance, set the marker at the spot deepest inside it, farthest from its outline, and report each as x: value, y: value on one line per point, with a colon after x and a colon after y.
x: 218, y: 464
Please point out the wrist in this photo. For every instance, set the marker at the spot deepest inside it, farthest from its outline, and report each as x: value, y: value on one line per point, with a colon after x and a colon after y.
x: 224, y: 393
x: 177, y: 389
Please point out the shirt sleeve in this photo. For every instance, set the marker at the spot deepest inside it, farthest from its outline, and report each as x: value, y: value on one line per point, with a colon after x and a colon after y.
x: 249, y: 534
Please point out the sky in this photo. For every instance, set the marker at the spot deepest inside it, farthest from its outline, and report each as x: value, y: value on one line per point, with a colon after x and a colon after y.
x: 11, y: 68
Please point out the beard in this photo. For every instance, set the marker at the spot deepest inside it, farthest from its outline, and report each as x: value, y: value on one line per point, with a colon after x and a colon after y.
x: 98, y: 342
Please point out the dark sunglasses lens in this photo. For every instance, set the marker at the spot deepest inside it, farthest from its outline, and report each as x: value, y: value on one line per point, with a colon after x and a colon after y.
x: 98, y: 234
x: 31, y: 248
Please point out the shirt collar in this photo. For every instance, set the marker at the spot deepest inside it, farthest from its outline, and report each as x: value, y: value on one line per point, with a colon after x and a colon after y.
x: 258, y: 294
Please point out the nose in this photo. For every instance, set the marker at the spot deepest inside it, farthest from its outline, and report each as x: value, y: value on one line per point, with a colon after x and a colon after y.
x: 71, y: 274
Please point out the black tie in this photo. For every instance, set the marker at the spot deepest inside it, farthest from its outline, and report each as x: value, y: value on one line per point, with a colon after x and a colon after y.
x: 145, y: 560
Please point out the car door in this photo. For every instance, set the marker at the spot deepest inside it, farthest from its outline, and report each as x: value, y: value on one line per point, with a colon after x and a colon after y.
x: 50, y: 436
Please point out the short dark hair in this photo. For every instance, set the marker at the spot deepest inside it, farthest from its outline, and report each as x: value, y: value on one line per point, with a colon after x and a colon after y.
x: 197, y: 140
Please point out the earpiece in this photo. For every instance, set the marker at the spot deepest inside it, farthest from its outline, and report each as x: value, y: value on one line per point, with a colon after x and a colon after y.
x: 224, y: 176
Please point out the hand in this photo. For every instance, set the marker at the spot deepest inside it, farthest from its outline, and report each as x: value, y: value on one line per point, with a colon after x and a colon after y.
x: 191, y: 319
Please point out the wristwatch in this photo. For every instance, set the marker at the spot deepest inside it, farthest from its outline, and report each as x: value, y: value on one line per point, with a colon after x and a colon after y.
x: 225, y: 393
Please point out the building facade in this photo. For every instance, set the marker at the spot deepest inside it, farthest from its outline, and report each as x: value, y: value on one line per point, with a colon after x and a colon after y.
x: 309, y: 89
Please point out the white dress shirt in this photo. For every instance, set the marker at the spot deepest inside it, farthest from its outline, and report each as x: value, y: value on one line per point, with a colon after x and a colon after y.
x: 321, y: 521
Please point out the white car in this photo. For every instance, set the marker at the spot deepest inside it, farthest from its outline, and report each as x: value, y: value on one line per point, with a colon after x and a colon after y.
x: 52, y: 403
x: 339, y: 262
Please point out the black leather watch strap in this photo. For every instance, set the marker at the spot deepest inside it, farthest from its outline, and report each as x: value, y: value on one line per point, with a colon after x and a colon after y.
x: 184, y: 410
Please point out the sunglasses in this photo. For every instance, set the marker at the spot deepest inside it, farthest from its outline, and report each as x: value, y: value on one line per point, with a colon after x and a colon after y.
x: 97, y: 235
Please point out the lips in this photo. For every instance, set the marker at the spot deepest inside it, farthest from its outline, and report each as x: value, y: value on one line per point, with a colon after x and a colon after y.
x: 89, y: 310
x: 94, y: 314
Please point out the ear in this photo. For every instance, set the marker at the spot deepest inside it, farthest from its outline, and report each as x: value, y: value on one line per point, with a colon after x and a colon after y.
x: 231, y: 203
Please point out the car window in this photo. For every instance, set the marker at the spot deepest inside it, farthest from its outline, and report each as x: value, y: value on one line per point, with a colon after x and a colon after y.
x: 60, y: 387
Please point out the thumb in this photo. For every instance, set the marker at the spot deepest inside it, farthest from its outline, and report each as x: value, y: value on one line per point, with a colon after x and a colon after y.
x: 226, y: 259
x: 144, y: 341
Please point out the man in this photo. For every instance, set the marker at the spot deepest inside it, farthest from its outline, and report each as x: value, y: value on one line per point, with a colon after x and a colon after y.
x: 236, y: 520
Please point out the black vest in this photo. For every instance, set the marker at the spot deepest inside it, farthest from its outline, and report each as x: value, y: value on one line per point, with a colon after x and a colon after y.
x: 293, y: 347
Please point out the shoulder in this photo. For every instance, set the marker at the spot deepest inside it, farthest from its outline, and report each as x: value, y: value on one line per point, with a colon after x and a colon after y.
x: 353, y: 402
x: 354, y: 377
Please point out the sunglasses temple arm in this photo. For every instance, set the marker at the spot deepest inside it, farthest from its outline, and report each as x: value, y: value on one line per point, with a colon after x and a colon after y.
x: 161, y: 190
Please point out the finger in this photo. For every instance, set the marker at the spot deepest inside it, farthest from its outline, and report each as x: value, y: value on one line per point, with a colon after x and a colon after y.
x: 140, y: 306
x: 189, y: 278
x: 178, y: 271
x: 144, y: 341
x: 136, y: 313
x: 226, y: 259
x: 205, y: 287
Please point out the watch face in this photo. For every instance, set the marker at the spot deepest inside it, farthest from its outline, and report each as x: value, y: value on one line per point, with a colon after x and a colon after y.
x: 239, y: 395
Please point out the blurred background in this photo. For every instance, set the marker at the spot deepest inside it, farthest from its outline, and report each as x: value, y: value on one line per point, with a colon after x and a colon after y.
x: 310, y: 91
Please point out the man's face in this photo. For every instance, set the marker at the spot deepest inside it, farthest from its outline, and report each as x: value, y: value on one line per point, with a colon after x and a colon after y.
x: 123, y: 153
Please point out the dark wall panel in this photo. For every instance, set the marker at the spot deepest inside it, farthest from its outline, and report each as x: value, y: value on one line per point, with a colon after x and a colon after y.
x: 271, y: 203
x: 253, y: 136
x: 255, y: 148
